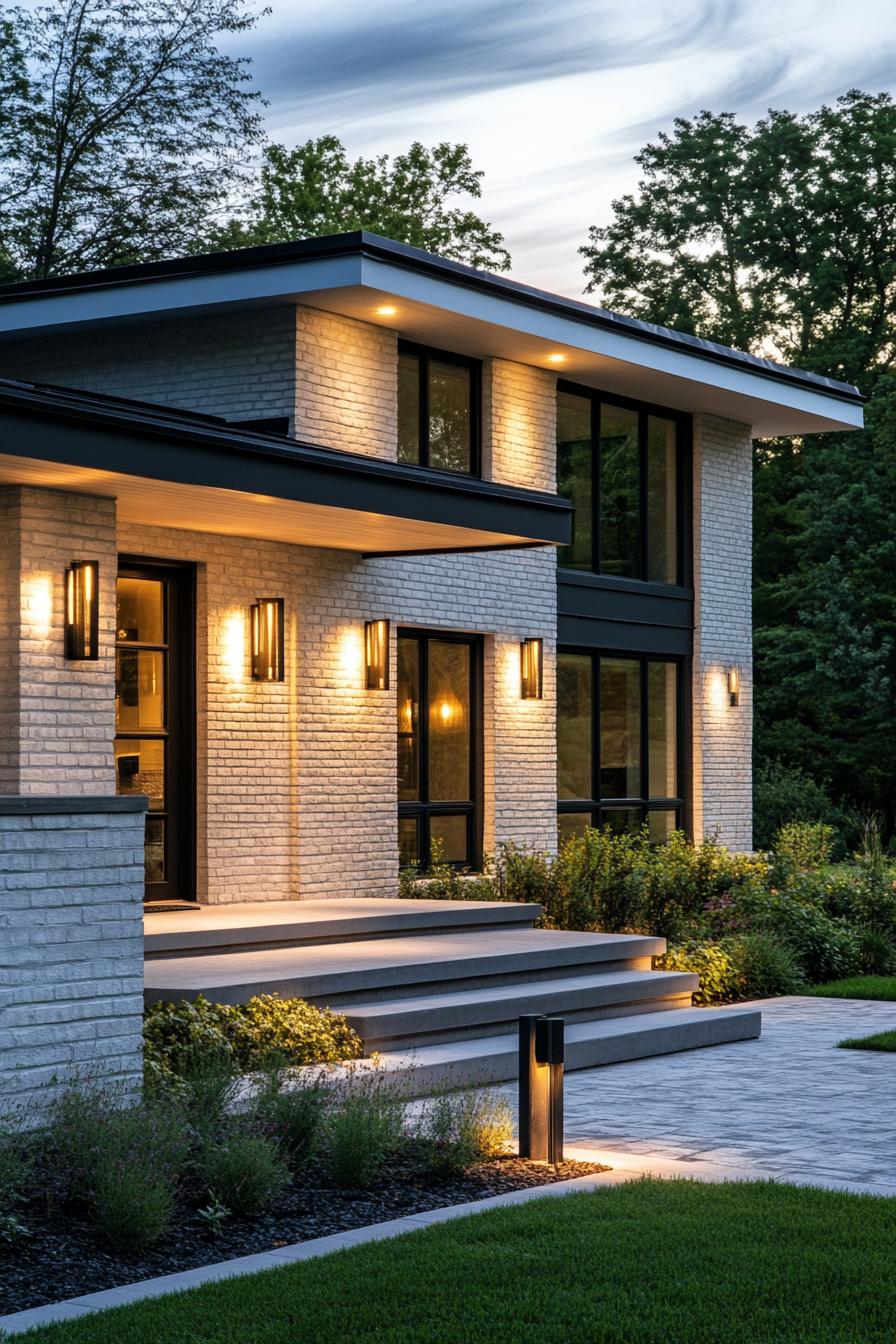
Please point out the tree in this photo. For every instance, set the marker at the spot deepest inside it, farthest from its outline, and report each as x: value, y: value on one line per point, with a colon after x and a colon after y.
x: 315, y: 189
x: 781, y: 239
x: 123, y: 128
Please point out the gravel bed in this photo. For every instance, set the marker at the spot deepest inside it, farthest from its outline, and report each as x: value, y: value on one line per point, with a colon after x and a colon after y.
x: 62, y: 1258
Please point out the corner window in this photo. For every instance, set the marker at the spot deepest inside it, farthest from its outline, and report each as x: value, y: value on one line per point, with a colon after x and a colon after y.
x: 438, y: 749
x: 618, y: 754
x: 438, y: 409
x: 620, y: 465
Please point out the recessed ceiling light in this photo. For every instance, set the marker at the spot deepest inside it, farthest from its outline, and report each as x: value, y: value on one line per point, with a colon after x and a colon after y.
x: 557, y: 359
x: 386, y: 310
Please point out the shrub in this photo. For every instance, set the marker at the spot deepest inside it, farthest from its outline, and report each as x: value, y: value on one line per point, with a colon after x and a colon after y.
x: 121, y: 1160
x: 291, y: 1117
x: 243, y: 1172
x: 15, y: 1168
x: 783, y: 794
x: 197, y: 1038
x: 824, y: 947
x: 803, y: 846
x: 441, y: 881
x: 463, y: 1128
x: 768, y: 967
x: 875, y: 952
x: 363, y: 1130
x: 721, y: 979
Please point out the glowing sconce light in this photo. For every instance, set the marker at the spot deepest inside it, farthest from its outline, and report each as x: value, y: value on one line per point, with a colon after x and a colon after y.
x: 376, y: 654
x: 82, y: 610
x: 733, y: 686
x: 266, y: 617
x: 532, y: 669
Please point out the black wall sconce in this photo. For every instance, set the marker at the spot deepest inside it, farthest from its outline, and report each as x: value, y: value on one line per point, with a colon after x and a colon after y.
x: 376, y: 654
x: 266, y: 617
x: 82, y: 610
x: 733, y: 686
x: 531, y: 669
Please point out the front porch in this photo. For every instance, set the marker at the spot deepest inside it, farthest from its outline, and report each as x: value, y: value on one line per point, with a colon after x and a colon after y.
x: 435, y: 987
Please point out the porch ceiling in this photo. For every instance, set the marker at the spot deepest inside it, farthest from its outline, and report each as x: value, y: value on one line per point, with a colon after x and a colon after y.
x: 196, y: 473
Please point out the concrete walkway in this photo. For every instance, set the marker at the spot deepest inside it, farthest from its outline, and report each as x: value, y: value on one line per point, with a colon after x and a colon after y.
x: 789, y: 1105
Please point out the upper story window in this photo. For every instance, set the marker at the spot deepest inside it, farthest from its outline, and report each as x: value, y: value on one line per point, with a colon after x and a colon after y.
x: 438, y: 409
x: 621, y: 466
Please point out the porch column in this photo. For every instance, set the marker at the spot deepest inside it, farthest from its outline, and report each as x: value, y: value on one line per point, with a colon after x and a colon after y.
x: 57, y: 717
x: 723, y: 641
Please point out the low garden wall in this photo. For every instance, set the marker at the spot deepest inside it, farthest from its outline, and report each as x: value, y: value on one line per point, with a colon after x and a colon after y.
x: 71, y: 944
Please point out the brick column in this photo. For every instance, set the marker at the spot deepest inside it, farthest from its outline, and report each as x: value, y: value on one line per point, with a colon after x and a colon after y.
x: 723, y: 733
x: 57, y: 716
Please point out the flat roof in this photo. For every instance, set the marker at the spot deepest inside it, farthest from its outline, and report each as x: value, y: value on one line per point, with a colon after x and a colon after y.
x: 471, y: 308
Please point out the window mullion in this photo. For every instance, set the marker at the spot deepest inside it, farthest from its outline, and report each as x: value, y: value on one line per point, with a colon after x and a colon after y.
x: 423, y: 364
x: 596, y: 495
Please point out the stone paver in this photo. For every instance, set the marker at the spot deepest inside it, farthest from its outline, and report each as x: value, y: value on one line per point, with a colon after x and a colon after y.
x: 789, y: 1105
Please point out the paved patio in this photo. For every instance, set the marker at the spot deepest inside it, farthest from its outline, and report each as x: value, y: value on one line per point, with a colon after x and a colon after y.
x: 788, y: 1106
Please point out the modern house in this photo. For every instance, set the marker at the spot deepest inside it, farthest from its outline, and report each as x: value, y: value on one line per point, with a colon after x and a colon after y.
x: 339, y: 554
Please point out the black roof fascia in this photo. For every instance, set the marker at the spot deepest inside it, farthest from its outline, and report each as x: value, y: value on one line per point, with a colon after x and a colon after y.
x: 131, y: 439
x: 364, y: 244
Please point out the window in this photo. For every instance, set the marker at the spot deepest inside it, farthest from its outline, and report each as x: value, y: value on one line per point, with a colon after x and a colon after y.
x: 438, y: 748
x: 438, y: 409
x: 618, y: 732
x: 620, y: 465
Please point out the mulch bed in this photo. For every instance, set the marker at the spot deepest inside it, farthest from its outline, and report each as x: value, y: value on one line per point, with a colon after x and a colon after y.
x: 62, y: 1258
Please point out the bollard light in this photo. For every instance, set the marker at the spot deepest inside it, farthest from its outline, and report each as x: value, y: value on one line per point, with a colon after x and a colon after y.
x: 541, y: 1088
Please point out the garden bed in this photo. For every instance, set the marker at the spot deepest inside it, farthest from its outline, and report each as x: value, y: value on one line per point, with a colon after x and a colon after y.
x: 60, y: 1257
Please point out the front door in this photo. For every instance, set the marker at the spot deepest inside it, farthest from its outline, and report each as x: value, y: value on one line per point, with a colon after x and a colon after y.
x: 154, y: 717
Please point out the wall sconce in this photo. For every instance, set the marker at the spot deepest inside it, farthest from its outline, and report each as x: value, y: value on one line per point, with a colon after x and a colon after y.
x: 266, y: 616
x: 82, y: 610
x: 376, y: 654
x: 733, y: 686
x: 531, y: 669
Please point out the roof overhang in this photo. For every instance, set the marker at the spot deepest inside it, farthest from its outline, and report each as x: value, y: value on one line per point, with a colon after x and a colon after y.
x: 202, y: 475
x: 455, y: 307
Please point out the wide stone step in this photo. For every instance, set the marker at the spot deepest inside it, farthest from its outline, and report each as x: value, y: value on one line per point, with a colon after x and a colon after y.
x: 211, y: 929
x: 425, y: 1019
x: 346, y: 972
x: 494, y: 1059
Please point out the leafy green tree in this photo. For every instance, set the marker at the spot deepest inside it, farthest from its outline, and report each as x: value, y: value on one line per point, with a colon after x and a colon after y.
x: 316, y: 189
x: 123, y: 129
x: 780, y: 239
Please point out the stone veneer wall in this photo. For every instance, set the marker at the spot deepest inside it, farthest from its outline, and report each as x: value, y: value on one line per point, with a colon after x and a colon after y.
x: 57, y: 718
x: 723, y: 529
x: 71, y: 946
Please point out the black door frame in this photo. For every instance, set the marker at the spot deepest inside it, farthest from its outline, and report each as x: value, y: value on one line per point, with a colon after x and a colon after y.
x: 180, y: 766
x: 422, y: 810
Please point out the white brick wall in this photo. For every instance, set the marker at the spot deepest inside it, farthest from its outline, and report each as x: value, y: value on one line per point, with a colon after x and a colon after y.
x: 519, y: 425
x: 59, y: 715
x: 723, y: 503
x: 346, y: 384
x: 237, y: 365
x: 71, y: 947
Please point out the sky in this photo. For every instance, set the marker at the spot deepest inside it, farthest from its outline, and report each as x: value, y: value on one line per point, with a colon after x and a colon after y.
x: 554, y: 99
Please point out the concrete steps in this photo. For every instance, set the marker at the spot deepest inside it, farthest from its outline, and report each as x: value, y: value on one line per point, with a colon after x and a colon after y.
x: 396, y: 1024
x: 494, y: 1059
x: 435, y: 987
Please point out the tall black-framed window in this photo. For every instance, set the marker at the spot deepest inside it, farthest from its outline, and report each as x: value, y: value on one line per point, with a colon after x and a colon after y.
x: 155, y: 716
x: 624, y: 466
x: 439, y: 748
x: 439, y: 409
x: 620, y: 730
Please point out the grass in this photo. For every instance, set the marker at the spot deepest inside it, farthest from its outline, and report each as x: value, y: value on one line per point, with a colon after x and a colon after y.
x: 857, y: 987
x: 881, y: 1040
x: 650, y: 1262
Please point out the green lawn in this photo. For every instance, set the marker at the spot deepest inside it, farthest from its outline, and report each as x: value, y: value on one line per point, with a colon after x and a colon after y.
x: 857, y: 987
x: 651, y: 1262
x: 882, y: 1040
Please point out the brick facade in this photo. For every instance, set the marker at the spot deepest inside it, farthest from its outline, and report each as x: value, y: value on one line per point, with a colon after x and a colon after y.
x: 71, y: 895
x: 346, y: 384
x: 723, y: 530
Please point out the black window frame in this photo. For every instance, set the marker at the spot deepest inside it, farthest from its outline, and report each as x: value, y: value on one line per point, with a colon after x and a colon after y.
x: 683, y: 456
x: 597, y: 804
x: 425, y: 353
x: 424, y: 810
